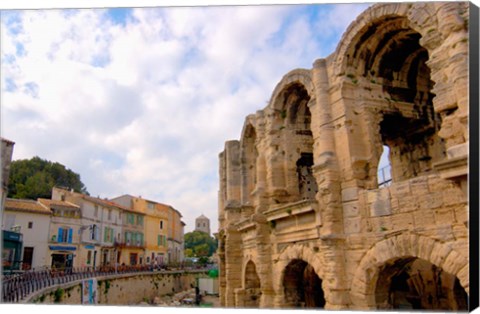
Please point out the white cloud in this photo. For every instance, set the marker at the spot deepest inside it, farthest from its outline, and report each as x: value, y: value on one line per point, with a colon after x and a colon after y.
x: 145, y: 107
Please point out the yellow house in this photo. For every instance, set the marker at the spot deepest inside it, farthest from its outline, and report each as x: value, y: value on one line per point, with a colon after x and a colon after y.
x: 175, y: 237
x: 155, y: 226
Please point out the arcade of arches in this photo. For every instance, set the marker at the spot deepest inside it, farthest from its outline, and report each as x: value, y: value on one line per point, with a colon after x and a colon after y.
x: 304, y: 221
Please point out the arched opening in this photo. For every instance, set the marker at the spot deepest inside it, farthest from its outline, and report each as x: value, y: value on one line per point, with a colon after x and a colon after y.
x: 387, y: 59
x: 252, y: 286
x: 302, y: 286
x: 416, y: 284
x: 293, y: 119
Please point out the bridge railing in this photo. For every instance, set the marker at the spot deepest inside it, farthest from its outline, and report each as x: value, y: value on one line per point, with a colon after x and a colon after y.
x: 16, y: 287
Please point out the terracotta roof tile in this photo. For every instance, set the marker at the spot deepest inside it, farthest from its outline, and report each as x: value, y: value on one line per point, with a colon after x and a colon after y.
x: 108, y: 203
x: 26, y: 206
x: 56, y: 203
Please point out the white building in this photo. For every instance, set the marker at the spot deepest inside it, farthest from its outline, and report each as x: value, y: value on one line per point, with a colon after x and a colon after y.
x: 32, y: 220
x: 63, y: 238
x: 6, y: 158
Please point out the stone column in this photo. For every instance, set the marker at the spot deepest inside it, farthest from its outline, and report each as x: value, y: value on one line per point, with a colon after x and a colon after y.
x: 329, y: 194
x: 233, y: 265
x: 449, y: 70
x: 325, y: 169
x: 233, y: 177
x: 264, y: 261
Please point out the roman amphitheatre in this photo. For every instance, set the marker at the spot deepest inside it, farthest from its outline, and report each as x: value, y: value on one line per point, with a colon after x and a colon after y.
x: 309, y: 218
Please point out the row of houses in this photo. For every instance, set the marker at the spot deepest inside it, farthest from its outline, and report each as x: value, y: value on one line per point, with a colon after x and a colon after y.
x: 77, y: 230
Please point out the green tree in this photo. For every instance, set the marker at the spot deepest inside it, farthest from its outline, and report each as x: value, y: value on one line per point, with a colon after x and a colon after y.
x: 198, y: 243
x: 34, y: 178
x: 189, y: 253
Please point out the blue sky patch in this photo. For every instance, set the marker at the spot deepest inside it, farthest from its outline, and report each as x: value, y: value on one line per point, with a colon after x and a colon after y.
x: 10, y: 85
x: 31, y: 88
x: 12, y: 19
x: 119, y: 16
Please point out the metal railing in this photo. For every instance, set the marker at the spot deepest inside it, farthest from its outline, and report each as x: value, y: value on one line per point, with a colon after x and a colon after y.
x: 18, y: 286
x: 384, y: 176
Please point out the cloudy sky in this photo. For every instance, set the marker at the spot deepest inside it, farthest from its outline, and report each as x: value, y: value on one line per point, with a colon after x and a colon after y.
x: 140, y: 101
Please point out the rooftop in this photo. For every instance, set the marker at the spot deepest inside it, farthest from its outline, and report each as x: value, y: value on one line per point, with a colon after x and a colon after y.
x: 25, y: 205
x: 56, y: 203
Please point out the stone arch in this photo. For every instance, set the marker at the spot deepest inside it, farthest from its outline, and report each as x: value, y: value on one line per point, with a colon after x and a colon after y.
x: 358, y: 29
x: 442, y: 28
x: 251, y: 285
x: 405, y: 246
x: 296, y: 251
x: 298, y: 76
x: 387, y: 52
x: 295, y: 254
x: 290, y: 120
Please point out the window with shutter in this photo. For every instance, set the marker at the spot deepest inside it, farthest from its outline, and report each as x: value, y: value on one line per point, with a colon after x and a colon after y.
x: 60, y: 235
x: 127, y: 238
x: 70, y: 235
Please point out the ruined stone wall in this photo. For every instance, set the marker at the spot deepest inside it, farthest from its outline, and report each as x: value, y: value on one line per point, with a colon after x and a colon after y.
x: 300, y: 195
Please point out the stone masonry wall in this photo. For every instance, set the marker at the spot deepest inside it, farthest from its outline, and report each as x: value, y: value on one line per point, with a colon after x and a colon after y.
x: 120, y: 290
x: 300, y: 191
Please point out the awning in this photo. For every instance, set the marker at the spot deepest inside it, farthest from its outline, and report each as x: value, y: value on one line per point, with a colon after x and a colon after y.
x: 62, y: 248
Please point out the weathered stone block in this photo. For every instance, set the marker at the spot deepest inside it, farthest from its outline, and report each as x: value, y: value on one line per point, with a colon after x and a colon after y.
x: 381, y: 204
x: 444, y: 233
x: 432, y: 200
x: 453, y: 197
x: 461, y: 213
x: 425, y: 247
x: 400, y: 189
x: 352, y: 225
x: 439, y: 253
x: 460, y: 232
x: 402, y: 221
x: 444, y: 216
x: 423, y: 218
x: 351, y: 209
x: 419, y: 186
x: 355, y: 242
x: 350, y: 194
x: 454, y: 262
x: 407, y: 204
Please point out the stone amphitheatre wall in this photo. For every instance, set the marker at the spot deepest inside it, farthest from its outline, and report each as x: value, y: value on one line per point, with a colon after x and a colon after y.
x: 305, y: 220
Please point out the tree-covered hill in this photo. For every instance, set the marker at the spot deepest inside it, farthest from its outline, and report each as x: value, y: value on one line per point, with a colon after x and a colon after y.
x: 34, y: 178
